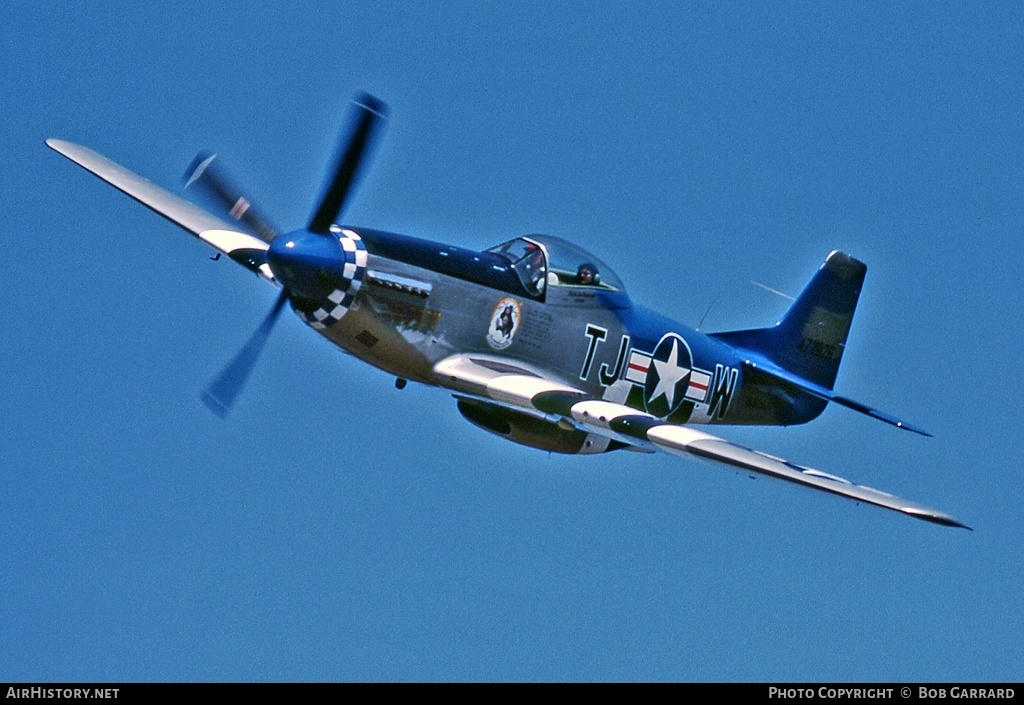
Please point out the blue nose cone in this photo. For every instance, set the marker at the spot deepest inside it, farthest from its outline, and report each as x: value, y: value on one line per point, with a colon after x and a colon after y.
x: 310, y: 266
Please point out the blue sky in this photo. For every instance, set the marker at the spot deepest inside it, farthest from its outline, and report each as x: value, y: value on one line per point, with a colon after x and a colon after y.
x: 334, y: 528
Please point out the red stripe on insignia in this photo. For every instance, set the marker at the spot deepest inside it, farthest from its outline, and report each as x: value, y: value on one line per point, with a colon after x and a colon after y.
x: 634, y: 366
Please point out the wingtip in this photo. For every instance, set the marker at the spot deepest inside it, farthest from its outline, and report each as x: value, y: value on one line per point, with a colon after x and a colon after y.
x: 941, y: 519
x: 71, y: 150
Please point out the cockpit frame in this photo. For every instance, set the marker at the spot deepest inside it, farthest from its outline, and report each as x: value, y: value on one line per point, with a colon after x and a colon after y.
x: 545, y: 261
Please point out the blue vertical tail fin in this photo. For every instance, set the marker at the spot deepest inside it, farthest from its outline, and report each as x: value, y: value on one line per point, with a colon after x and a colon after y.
x: 809, y: 340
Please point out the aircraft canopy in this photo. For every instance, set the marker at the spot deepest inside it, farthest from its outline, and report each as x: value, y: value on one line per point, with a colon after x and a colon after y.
x: 544, y: 260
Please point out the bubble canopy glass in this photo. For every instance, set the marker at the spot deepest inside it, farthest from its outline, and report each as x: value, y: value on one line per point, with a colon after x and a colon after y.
x: 562, y: 264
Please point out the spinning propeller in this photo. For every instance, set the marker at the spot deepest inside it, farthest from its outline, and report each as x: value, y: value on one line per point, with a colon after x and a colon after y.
x: 309, y: 264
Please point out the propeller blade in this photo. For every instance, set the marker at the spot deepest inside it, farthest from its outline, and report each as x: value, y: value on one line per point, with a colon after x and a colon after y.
x: 221, y: 394
x: 207, y: 175
x: 368, y: 115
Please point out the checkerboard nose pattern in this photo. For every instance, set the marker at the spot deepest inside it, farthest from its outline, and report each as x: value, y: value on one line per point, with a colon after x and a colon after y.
x: 340, y: 299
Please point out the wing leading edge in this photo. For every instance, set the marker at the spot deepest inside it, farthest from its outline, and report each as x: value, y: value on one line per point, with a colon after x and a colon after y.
x: 241, y: 247
x: 527, y: 391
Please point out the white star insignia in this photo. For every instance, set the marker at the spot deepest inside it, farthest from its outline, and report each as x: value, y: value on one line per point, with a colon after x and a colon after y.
x: 669, y: 373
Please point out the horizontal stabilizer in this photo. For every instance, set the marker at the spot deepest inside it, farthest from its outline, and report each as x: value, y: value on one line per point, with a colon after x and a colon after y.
x: 828, y: 395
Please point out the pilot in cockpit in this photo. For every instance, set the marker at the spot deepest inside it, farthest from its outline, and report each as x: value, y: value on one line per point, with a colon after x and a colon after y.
x: 587, y: 275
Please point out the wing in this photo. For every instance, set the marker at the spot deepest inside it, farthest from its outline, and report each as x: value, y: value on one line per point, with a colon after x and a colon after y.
x: 241, y: 247
x: 526, y: 390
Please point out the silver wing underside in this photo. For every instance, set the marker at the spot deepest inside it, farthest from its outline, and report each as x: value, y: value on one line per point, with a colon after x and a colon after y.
x: 211, y: 230
x: 527, y: 391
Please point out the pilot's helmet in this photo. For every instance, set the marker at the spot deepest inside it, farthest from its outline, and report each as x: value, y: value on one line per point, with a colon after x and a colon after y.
x: 588, y: 274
